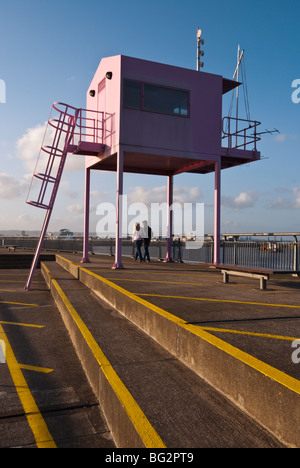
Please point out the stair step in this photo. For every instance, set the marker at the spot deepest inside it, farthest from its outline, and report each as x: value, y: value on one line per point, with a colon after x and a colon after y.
x: 13, y: 260
x: 157, y: 399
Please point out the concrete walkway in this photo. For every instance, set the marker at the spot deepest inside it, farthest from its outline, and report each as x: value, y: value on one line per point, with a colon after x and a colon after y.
x: 176, y: 358
x: 234, y: 336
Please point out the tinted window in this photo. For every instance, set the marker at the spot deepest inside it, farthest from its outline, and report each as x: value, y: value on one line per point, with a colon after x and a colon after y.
x: 132, y: 94
x: 153, y: 98
x: 165, y: 100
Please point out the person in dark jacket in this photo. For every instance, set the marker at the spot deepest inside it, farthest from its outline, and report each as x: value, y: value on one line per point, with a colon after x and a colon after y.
x: 147, y: 234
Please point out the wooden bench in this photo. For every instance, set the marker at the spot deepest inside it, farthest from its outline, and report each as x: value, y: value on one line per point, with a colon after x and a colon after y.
x: 263, y: 274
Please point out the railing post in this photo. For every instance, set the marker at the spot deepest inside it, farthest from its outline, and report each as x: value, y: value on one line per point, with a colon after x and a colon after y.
x: 295, y: 248
x: 234, y: 250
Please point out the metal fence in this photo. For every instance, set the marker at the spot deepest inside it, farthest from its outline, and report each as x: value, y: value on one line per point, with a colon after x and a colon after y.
x: 263, y: 254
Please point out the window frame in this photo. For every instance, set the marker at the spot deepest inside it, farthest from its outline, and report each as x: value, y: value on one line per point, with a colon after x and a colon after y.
x: 142, y: 107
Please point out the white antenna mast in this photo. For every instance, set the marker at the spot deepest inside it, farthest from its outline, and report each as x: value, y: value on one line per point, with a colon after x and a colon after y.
x: 200, y: 52
x: 236, y: 75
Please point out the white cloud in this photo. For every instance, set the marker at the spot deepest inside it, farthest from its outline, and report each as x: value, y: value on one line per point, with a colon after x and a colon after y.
x: 66, y: 188
x: 245, y: 199
x: 29, y: 146
x: 282, y: 137
x: 292, y: 203
x: 181, y: 194
x: 296, y: 192
x: 241, y: 201
x: 10, y: 188
x: 75, y: 209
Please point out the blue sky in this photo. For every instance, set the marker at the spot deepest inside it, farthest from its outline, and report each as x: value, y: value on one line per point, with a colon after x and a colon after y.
x: 50, y: 51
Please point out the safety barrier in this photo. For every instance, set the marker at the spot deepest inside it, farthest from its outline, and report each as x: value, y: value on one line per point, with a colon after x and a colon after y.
x: 259, y: 254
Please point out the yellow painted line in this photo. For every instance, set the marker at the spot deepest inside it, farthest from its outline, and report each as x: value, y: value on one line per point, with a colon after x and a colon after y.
x: 151, y: 272
x: 136, y: 298
x: 19, y: 303
x: 7, y: 290
x: 238, y: 332
x: 36, y: 422
x: 21, y: 324
x: 13, y: 274
x: 152, y: 281
x: 148, y: 434
x: 265, y: 369
x: 220, y: 300
x: 47, y: 270
x: 10, y: 281
x: 43, y: 370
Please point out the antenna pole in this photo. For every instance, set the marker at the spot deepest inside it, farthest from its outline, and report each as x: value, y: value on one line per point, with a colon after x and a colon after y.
x: 200, y: 52
x: 236, y: 75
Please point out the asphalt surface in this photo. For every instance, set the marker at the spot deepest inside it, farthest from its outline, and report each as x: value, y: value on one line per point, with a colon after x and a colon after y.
x: 263, y: 323
x: 54, y: 379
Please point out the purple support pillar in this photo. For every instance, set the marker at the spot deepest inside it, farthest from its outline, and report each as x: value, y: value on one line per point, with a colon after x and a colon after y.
x: 85, y: 258
x: 169, y: 219
x: 118, y: 254
x: 217, y: 218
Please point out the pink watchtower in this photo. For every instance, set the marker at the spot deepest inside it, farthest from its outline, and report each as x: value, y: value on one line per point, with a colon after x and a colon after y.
x: 165, y: 120
x: 150, y: 118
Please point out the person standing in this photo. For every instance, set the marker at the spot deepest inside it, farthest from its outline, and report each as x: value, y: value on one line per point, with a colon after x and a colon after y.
x: 147, y: 234
x: 138, y: 240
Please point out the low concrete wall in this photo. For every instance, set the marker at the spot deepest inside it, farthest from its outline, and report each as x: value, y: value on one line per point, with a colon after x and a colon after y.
x: 266, y: 394
x: 123, y: 430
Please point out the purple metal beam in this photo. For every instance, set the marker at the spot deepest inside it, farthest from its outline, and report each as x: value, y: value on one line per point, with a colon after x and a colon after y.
x: 85, y: 258
x: 217, y: 212
x: 118, y: 253
x: 169, y: 219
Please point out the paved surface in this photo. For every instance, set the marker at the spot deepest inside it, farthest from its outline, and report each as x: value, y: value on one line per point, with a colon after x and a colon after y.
x: 261, y: 323
x: 181, y: 407
x: 42, y: 376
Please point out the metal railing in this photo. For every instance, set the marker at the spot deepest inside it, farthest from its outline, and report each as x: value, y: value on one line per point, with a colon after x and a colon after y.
x: 259, y: 253
x: 240, y: 133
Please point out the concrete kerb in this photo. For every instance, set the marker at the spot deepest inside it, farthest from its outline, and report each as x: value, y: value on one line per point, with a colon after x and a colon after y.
x: 266, y: 394
x: 115, y: 401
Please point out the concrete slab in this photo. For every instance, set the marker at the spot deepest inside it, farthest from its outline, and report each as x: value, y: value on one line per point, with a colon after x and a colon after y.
x: 197, y: 295
x: 258, y: 325
x: 54, y: 378
x: 182, y: 408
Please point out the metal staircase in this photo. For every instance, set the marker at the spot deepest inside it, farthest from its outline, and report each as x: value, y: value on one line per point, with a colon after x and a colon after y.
x: 69, y: 130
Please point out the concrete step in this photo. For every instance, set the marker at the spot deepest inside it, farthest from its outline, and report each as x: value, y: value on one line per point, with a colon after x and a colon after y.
x: 267, y: 394
x: 149, y: 397
x: 19, y: 260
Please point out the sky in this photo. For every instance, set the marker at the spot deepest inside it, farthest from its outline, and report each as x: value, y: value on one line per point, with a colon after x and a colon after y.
x: 50, y: 51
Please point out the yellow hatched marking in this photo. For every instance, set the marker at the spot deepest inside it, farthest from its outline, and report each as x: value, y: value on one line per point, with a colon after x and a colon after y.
x: 154, y: 273
x: 152, y: 281
x: 265, y: 369
x: 148, y: 434
x: 36, y: 422
x: 219, y: 300
x: 22, y: 324
x: 19, y: 303
x: 238, y: 332
x: 44, y: 370
x: 11, y: 281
